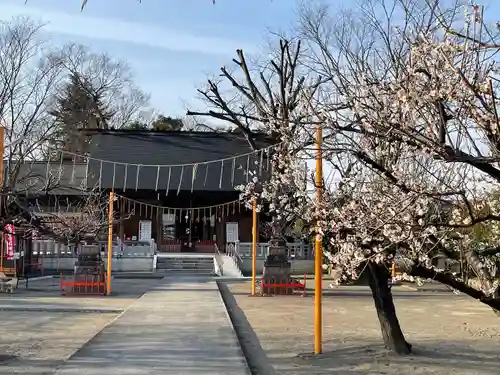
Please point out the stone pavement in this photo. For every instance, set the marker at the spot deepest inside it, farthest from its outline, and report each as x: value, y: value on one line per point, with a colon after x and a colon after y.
x: 179, y: 327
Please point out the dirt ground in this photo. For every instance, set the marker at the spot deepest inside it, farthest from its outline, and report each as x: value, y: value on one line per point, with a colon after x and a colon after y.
x: 40, y: 329
x: 450, y: 334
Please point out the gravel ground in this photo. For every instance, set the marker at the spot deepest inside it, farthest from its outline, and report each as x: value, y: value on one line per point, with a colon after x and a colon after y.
x: 47, y: 292
x: 450, y: 334
x: 36, y: 341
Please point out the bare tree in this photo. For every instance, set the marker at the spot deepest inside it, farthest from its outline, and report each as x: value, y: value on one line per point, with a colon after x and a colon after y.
x: 72, y: 221
x: 108, y: 81
x: 253, y: 99
x: 30, y: 71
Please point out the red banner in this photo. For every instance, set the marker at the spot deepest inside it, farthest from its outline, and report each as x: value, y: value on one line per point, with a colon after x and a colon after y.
x: 9, y: 233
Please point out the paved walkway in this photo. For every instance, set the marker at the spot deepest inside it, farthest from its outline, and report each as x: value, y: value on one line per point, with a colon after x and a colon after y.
x: 177, y: 328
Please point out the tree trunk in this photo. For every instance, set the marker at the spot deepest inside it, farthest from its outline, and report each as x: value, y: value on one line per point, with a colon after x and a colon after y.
x: 394, y: 339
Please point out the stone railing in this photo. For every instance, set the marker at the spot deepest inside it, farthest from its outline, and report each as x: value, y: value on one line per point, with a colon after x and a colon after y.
x: 294, y: 250
x: 129, y: 249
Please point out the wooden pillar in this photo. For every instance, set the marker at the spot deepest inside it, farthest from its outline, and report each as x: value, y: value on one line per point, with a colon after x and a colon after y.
x: 121, y: 225
x: 159, y: 227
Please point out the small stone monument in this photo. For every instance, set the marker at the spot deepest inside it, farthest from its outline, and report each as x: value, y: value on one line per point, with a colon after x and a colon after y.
x: 89, y: 268
x: 277, y: 269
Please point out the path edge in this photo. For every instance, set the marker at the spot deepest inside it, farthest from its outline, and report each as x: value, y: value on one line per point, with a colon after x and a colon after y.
x: 255, y: 356
x: 231, y: 324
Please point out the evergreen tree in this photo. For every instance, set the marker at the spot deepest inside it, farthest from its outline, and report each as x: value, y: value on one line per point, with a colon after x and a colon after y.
x: 163, y: 123
x: 77, y: 108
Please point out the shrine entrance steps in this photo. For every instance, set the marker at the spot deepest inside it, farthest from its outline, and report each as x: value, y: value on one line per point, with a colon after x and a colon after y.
x: 185, y: 264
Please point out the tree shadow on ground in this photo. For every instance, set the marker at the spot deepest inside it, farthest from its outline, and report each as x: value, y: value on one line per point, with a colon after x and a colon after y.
x: 366, y: 358
x: 362, y: 357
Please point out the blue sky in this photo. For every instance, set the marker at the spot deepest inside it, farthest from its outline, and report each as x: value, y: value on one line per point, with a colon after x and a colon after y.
x: 171, y: 45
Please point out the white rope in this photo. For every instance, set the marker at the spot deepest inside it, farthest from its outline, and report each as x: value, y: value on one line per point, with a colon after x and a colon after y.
x: 177, y: 165
x: 221, y: 205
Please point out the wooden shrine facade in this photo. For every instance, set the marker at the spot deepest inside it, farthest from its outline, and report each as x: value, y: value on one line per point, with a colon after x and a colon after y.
x: 188, y: 222
x: 178, y: 188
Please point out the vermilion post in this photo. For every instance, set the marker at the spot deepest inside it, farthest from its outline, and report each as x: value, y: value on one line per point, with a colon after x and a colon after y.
x: 318, y: 252
x: 2, y: 180
x: 110, y: 242
x: 254, y: 245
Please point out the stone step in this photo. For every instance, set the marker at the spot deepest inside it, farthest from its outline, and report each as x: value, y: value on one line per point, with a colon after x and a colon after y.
x: 184, y: 271
x: 183, y: 267
x: 186, y: 259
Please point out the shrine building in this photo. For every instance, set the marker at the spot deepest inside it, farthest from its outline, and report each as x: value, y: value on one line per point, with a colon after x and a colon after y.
x: 176, y: 188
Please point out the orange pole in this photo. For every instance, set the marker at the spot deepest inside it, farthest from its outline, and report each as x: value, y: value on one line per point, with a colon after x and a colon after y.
x: 318, y: 252
x: 2, y: 182
x: 254, y: 246
x: 110, y: 242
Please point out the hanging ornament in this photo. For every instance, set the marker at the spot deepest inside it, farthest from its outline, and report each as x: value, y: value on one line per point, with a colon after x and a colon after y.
x: 227, y: 210
x: 248, y: 168
x: 72, y: 181
x: 157, y: 177
x: 125, y: 175
x: 234, y: 208
x: 168, y: 181
x: 100, y: 175
x: 206, y: 174
x: 87, y: 173
x: 114, y: 176
x: 221, y: 174
x: 140, y: 209
x: 180, y: 180
x: 268, y: 159
x: 261, y: 162
x: 193, y: 176
x: 233, y: 167
x: 47, y: 172
x: 137, y: 176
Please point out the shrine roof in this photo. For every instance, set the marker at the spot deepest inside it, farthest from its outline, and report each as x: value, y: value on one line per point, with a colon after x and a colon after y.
x: 153, y: 151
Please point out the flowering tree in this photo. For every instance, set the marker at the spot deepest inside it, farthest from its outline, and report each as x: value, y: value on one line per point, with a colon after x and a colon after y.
x: 416, y: 108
